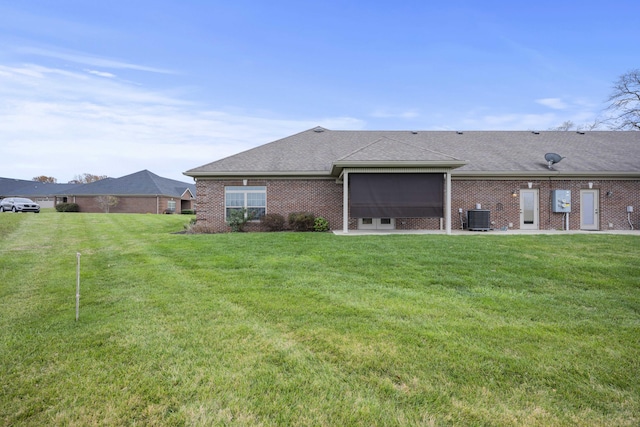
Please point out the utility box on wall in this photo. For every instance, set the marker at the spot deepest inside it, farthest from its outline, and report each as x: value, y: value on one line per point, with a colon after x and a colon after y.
x: 561, y: 200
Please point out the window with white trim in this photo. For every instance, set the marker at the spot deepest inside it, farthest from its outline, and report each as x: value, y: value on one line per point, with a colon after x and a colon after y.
x: 171, y: 205
x: 251, y: 198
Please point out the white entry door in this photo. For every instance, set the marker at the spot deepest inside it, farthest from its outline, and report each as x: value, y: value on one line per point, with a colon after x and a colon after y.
x: 529, y: 210
x: 376, y: 223
x: 589, y: 216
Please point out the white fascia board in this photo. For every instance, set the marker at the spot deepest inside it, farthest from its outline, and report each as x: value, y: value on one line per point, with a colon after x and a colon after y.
x: 449, y: 164
x: 188, y: 190
x: 260, y: 174
x: 551, y: 174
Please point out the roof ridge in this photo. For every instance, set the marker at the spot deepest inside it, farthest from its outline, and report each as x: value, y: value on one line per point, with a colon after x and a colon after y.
x: 154, y: 179
x: 163, y: 184
x: 384, y: 137
x: 426, y: 149
x: 362, y: 148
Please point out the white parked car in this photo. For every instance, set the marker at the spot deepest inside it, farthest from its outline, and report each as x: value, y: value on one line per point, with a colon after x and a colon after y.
x: 19, y: 204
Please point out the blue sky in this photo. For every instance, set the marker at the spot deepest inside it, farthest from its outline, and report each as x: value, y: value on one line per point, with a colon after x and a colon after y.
x: 114, y: 87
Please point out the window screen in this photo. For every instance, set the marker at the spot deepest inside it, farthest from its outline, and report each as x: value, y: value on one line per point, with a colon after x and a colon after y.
x: 396, y: 195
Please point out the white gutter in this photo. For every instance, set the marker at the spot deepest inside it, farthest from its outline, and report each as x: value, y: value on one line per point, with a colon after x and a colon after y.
x: 543, y: 174
x: 338, y: 166
x: 265, y: 174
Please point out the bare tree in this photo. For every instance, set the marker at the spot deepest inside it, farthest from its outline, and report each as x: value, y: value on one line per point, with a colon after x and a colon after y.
x: 107, y: 202
x: 86, y: 178
x: 625, y: 102
x: 565, y: 126
x: 594, y: 125
x: 568, y: 125
x: 46, y: 179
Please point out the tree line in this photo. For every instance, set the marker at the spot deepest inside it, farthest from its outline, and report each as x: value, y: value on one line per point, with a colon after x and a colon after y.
x: 84, y: 178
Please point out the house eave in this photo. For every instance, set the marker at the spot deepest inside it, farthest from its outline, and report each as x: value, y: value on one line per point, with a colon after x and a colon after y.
x: 187, y: 191
x: 550, y: 174
x: 254, y: 174
x: 117, y: 195
x: 337, y: 167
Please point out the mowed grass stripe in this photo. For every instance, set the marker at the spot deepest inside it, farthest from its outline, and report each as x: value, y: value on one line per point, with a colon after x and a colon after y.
x: 278, y: 372
x: 246, y: 294
x: 30, y: 275
x: 139, y: 353
x: 245, y: 289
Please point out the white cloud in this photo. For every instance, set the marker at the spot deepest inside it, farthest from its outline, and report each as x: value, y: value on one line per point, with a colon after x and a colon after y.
x: 83, y: 58
x: 555, y: 103
x: 101, y: 74
x: 63, y: 123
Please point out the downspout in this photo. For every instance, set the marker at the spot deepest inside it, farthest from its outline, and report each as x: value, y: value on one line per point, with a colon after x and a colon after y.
x: 447, y: 202
x: 345, y: 202
x: 157, y: 204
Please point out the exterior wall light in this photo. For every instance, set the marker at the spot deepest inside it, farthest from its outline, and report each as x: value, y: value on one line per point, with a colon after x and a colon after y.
x: 529, y: 184
x: 515, y: 193
x: 591, y: 185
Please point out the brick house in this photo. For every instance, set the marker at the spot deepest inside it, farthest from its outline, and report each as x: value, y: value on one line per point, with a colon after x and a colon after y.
x: 140, y: 192
x: 434, y: 180
x: 42, y: 193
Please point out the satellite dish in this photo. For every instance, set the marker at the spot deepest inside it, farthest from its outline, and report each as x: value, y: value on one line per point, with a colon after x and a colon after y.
x: 552, y: 158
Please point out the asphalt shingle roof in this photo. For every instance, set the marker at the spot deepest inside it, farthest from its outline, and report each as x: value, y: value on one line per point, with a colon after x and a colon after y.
x: 500, y: 152
x: 23, y: 188
x: 143, y: 183
x: 387, y: 149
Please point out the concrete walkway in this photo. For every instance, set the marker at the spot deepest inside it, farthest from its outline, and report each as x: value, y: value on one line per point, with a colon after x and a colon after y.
x: 458, y: 232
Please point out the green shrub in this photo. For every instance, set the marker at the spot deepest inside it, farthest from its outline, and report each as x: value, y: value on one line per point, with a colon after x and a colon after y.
x: 67, y: 207
x: 190, y: 224
x: 236, y: 219
x: 301, y: 221
x: 320, y: 224
x: 188, y: 212
x: 273, y: 222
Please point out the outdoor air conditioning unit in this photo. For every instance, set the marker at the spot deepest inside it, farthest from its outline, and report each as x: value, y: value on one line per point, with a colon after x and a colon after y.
x: 479, y: 220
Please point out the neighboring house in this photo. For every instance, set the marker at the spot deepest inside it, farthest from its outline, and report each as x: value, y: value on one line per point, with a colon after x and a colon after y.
x: 141, y: 192
x: 41, y: 192
x: 433, y: 180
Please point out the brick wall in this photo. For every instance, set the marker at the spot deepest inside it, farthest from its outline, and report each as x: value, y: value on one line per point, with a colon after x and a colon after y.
x: 321, y: 197
x: 495, y: 196
x: 614, y: 197
x: 324, y: 198
x: 126, y: 204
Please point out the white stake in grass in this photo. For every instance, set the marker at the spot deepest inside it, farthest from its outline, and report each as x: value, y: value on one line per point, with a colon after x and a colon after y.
x: 78, y: 287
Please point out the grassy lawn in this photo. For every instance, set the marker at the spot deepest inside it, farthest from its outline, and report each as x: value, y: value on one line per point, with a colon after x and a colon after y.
x: 313, y: 329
